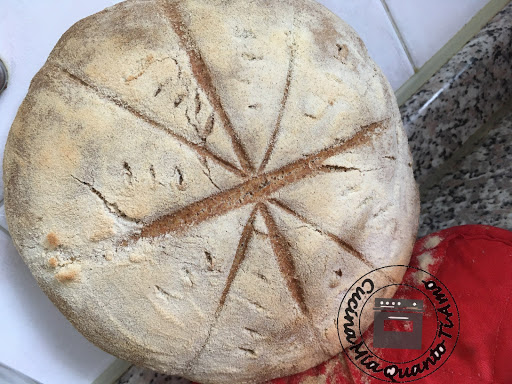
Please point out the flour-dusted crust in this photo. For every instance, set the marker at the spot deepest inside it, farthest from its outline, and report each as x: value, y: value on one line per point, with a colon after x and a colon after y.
x: 195, y: 184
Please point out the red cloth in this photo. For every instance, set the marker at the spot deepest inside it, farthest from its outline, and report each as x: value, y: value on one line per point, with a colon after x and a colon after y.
x: 475, y: 264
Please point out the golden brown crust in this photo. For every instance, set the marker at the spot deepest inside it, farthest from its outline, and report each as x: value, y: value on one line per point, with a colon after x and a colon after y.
x: 195, y: 184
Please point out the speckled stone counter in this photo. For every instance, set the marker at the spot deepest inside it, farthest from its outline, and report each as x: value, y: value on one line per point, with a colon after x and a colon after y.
x: 461, y: 157
x: 479, y: 189
x: 461, y: 97
x: 460, y: 131
x: 136, y: 375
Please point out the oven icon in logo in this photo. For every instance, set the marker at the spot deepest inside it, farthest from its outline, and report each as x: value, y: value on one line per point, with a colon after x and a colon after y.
x: 398, y: 323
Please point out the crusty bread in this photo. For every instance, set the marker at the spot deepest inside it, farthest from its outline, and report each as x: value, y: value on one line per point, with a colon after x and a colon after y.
x: 195, y: 184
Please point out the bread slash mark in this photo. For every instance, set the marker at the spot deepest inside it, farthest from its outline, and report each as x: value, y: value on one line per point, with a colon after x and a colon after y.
x: 285, y: 260
x: 209, y: 260
x: 147, y: 62
x: 117, y: 100
x: 284, y: 101
x: 340, y: 242
x: 111, y: 207
x: 166, y: 295
x: 251, y: 352
x: 258, y: 189
x: 128, y: 173
x: 203, y: 78
x: 253, y: 333
x: 238, y: 259
x: 342, y: 52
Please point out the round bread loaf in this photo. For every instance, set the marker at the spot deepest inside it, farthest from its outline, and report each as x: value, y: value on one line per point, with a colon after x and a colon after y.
x: 195, y: 184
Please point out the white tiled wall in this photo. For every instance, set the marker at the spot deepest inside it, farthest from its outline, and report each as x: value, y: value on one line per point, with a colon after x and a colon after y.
x: 428, y: 25
x: 401, y: 35
x: 371, y: 22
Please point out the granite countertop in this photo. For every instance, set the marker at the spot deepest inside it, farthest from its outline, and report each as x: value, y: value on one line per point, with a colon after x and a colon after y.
x: 458, y: 134
x: 459, y: 126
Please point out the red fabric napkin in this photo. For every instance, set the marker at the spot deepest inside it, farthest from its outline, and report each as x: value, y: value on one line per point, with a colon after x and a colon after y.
x: 475, y: 263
